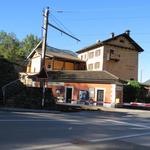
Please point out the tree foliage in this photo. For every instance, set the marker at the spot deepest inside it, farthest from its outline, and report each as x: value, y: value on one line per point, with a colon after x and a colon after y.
x: 135, y: 92
x: 27, y: 44
x: 9, y: 45
x: 134, y: 84
x: 12, y: 49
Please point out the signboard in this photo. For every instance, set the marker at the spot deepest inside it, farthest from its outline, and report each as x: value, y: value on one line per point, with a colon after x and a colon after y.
x: 56, y: 83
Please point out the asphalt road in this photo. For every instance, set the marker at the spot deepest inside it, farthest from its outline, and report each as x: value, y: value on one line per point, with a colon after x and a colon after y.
x: 93, y: 130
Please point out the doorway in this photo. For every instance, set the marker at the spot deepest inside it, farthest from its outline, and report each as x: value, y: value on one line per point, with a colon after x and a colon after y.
x: 100, y: 96
x: 68, y: 94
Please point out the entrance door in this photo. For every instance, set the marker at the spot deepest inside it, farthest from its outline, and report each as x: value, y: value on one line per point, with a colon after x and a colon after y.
x: 68, y: 94
x: 100, y: 96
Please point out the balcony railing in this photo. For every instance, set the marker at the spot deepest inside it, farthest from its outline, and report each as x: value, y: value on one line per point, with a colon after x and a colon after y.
x: 115, y: 57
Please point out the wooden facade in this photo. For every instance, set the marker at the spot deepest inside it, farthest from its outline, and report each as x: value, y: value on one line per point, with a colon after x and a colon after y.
x: 55, y: 60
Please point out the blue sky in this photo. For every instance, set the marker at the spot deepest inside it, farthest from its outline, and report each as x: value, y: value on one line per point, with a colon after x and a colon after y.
x: 88, y: 20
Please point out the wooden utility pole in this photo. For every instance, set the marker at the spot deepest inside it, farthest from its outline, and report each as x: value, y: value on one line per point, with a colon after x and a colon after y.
x: 43, y: 73
x: 44, y: 41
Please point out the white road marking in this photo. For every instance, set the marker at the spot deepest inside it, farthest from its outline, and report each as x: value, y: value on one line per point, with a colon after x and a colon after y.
x: 119, y: 137
x: 52, y: 146
x: 67, y: 144
x: 26, y: 120
x: 129, y: 124
x: 77, y: 121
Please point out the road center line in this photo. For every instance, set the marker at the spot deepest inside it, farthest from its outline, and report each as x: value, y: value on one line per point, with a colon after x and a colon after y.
x: 119, y: 137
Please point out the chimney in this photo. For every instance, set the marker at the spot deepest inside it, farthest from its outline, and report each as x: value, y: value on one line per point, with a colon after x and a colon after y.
x: 127, y: 32
x: 112, y: 35
x: 98, y: 41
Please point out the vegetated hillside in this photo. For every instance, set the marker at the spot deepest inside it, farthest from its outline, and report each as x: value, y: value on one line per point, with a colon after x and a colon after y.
x: 19, y: 95
x: 7, y: 72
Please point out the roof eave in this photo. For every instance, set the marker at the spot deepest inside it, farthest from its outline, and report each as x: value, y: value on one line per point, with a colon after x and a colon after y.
x: 139, y: 48
x: 33, y: 51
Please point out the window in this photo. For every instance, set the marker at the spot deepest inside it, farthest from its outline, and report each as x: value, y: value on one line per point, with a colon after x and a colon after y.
x: 121, y: 41
x: 97, y: 65
x: 90, y: 67
x: 114, y: 55
x: 91, y: 55
x: 83, y: 95
x: 81, y: 57
x: 97, y: 53
x: 49, y: 67
x: 111, y: 51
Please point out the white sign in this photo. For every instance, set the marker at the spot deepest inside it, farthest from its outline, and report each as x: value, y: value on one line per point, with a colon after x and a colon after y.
x: 56, y: 83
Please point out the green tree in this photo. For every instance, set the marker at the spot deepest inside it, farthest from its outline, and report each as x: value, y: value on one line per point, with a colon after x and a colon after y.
x: 27, y: 44
x: 132, y: 91
x: 134, y: 84
x: 13, y: 50
x: 9, y: 46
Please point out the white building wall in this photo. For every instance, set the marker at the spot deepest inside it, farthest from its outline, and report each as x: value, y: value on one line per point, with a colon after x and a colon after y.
x: 94, y: 59
x: 36, y: 64
x: 113, y: 97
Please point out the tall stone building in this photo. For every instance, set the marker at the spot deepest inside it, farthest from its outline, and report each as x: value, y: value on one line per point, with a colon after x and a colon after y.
x: 117, y: 55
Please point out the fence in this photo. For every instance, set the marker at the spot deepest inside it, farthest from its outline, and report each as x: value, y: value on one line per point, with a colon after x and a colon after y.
x: 11, y: 89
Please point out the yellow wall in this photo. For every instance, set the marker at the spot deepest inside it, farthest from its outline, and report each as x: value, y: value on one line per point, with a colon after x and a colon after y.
x: 28, y: 68
x: 60, y: 65
x: 34, y: 64
x: 69, y: 66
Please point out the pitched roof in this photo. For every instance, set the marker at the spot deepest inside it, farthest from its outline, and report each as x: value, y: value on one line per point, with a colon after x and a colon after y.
x: 101, y: 43
x: 83, y: 76
x: 55, y: 53
x: 59, y: 53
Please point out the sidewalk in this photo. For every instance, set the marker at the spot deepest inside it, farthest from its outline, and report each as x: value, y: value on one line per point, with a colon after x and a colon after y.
x: 83, y: 108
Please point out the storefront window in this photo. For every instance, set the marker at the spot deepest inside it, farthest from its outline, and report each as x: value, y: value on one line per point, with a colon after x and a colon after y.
x: 83, y: 95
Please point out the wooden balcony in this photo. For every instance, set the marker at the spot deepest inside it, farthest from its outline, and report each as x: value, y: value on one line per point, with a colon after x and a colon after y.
x: 115, y: 57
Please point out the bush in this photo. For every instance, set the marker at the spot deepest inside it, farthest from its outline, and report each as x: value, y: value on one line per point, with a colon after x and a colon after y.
x: 134, y: 92
x: 32, y: 98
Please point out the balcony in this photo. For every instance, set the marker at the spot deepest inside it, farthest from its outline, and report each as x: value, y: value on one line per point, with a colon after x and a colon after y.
x: 115, y: 57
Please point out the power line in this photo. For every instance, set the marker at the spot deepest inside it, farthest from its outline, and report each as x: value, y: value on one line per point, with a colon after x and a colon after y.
x: 59, y: 23
x: 63, y: 32
x: 103, y: 9
x: 100, y: 18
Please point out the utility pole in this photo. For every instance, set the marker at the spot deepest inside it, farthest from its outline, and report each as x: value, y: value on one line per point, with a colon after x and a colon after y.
x: 44, y: 41
x: 43, y: 73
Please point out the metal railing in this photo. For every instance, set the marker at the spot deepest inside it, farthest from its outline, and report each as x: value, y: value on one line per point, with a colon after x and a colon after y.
x: 10, y: 89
